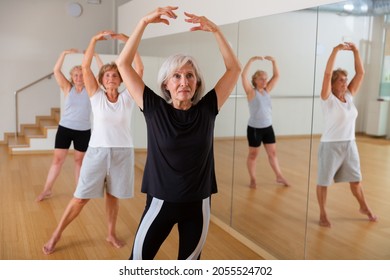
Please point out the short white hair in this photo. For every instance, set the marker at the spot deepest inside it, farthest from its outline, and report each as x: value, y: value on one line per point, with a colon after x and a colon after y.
x: 170, y: 65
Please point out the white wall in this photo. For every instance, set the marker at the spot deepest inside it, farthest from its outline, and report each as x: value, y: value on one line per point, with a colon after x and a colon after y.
x: 301, y: 65
x: 220, y: 11
x: 30, y: 48
x: 33, y: 33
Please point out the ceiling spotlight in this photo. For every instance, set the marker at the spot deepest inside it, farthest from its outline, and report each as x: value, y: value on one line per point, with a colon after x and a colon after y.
x: 348, y: 7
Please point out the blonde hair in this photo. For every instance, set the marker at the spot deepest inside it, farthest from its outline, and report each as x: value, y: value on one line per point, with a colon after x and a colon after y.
x: 74, y: 68
x: 337, y: 73
x: 255, y: 75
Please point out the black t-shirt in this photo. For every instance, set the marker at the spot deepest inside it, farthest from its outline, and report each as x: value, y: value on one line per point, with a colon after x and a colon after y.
x: 180, y: 159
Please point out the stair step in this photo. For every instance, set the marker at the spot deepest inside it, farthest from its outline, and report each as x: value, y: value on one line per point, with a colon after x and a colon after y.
x: 19, y: 141
x: 29, y: 131
x: 49, y: 122
x: 32, y: 132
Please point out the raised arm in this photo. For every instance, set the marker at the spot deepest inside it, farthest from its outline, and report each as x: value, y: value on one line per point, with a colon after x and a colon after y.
x: 99, y: 61
x: 357, y: 80
x: 246, y: 82
x: 327, y: 81
x: 138, y: 64
x: 90, y: 81
x: 62, y: 81
x: 275, y: 74
x: 227, y: 82
x: 131, y: 78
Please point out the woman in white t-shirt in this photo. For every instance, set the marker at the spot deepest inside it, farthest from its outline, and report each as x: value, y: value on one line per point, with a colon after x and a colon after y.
x: 108, y: 165
x: 338, y: 157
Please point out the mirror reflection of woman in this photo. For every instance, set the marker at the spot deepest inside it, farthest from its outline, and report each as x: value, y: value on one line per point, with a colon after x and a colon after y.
x: 260, y: 128
x: 338, y: 157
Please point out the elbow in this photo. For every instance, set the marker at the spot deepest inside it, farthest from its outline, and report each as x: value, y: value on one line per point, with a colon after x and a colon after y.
x: 119, y: 63
x: 140, y: 72
x: 238, y: 70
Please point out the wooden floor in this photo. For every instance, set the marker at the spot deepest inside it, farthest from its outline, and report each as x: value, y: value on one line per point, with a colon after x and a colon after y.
x: 26, y: 225
x: 284, y: 221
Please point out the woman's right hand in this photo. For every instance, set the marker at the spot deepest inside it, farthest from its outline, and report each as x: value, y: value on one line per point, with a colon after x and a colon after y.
x: 104, y: 35
x: 71, y: 51
x: 157, y: 15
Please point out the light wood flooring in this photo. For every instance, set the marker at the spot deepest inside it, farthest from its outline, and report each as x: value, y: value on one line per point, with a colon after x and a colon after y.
x: 284, y: 220
x: 26, y: 225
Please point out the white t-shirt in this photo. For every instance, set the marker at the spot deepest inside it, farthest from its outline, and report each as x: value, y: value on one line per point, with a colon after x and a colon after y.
x: 112, y: 121
x: 340, y: 119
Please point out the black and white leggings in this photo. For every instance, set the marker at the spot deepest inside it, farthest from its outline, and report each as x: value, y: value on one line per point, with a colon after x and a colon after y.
x: 158, y: 220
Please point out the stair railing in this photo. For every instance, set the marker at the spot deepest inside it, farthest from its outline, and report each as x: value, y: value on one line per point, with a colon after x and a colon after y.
x: 48, y: 76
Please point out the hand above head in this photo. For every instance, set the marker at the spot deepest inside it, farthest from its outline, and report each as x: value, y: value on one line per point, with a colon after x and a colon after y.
x: 71, y: 51
x: 120, y: 36
x: 157, y: 15
x: 346, y: 46
x: 204, y: 23
x: 253, y: 58
x: 270, y: 58
x: 351, y: 46
x: 104, y: 35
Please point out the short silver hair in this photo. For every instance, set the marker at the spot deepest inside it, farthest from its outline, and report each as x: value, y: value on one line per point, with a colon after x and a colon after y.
x: 169, y: 67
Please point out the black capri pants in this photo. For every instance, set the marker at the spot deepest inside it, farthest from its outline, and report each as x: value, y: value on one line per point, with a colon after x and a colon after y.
x: 158, y: 220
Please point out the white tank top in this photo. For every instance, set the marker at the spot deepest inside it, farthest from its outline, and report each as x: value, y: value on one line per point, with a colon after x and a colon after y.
x: 340, y: 119
x: 77, y: 111
x: 112, y: 121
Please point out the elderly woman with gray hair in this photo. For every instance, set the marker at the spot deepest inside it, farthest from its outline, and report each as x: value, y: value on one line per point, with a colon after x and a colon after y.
x: 179, y: 176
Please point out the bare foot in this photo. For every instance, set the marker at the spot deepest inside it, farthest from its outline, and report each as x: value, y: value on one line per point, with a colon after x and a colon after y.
x: 43, y: 195
x: 370, y: 215
x: 324, y: 222
x: 281, y: 180
x: 115, y: 242
x: 50, y: 246
x: 252, y: 185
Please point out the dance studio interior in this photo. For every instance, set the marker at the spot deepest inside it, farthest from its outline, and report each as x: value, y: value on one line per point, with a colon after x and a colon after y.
x: 269, y: 222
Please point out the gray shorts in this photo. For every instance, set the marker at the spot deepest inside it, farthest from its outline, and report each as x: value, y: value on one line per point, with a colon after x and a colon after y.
x: 338, y: 162
x: 115, y: 165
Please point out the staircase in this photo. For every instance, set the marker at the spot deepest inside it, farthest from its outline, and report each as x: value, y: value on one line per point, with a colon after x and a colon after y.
x: 35, y: 138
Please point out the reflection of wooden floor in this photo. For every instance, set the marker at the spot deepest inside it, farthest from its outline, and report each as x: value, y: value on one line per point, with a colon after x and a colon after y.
x: 26, y: 225
x: 275, y: 216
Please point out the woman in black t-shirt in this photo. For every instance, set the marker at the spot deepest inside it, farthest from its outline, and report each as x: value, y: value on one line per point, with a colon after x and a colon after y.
x: 179, y: 175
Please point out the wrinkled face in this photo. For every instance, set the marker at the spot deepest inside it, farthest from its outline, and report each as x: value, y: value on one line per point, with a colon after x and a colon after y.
x: 340, y: 84
x: 261, y: 80
x: 77, y: 77
x: 111, y: 79
x: 182, y: 84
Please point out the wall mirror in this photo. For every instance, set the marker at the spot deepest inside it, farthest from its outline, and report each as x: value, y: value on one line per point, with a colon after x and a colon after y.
x: 284, y: 220
x: 351, y: 235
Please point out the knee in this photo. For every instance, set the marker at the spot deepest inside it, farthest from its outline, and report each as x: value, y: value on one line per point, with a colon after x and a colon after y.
x: 355, y: 185
x: 252, y: 155
x: 80, y: 201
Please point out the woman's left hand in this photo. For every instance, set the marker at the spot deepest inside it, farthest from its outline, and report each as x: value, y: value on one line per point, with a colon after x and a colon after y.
x: 204, y: 23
